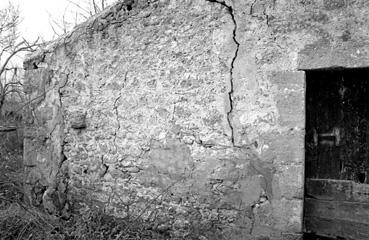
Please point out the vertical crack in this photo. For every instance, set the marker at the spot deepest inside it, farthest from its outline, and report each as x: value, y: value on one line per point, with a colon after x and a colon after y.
x: 61, y: 113
x: 63, y: 178
x: 263, y: 14
x: 104, y: 167
x: 252, y: 218
x: 59, y: 180
x: 63, y: 157
x: 252, y: 7
x: 234, y: 37
x: 115, y: 108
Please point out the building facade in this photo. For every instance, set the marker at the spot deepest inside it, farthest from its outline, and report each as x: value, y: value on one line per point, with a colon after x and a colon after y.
x: 189, y: 114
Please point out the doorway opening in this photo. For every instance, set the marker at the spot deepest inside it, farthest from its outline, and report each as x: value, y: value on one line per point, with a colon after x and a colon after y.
x: 337, y: 153
x: 337, y: 124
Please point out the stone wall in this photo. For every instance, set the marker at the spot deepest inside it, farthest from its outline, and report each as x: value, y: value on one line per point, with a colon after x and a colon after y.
x: 188, y: 114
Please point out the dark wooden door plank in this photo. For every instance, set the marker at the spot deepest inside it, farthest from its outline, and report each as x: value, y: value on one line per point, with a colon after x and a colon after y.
x: 337, y: 228
x: 337, y: 210
x: 337, y: 190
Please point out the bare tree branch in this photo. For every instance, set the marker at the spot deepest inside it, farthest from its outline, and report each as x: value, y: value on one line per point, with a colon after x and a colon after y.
x: 4, y: 50
x: 11, y: 47
x: 83, y: 9
x: 12, y: 84
x: 30, y: 102
x: 95, y: 6
x: 20, y: 47
x: 102, y: 4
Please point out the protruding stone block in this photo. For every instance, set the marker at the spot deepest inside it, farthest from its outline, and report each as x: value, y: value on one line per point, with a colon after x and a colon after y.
x: 78, y: 119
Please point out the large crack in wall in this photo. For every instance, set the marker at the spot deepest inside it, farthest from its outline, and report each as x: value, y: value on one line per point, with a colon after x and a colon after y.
x: 230, y: 93
x: 44, y: 143
x: 163, y: 159
x: 236, y: 170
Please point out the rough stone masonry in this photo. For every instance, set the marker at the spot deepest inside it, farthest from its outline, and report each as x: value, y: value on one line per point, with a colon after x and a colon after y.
x: 187, y: 114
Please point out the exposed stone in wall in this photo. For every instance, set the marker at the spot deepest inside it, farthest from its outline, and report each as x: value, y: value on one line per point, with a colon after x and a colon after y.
x: 189, y: 114
x: 46, y: 180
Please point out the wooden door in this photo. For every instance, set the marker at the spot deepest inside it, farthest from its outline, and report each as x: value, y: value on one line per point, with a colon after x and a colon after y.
x: 337, y: 154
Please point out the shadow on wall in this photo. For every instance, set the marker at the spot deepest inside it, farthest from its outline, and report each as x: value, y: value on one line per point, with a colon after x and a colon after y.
x: 11, y: 132
x: 311, y: 236
x: 11, y: 140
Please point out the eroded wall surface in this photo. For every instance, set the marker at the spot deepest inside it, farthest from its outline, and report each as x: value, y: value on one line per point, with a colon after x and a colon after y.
x: 188, y: 114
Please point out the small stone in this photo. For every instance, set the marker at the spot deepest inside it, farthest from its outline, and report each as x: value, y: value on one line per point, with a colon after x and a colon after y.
x: 188, y: 140
x: 78, y: 120
x: 132, y: 169
x: 334, y: 4
x: 163, y: 227
x: 262, y: 238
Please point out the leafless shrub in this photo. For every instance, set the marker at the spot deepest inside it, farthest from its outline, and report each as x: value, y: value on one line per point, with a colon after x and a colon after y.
x: 12, y: 48
x: 75, y: 13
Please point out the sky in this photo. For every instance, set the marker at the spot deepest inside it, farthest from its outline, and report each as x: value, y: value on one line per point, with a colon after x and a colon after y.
x: 36, y: 14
